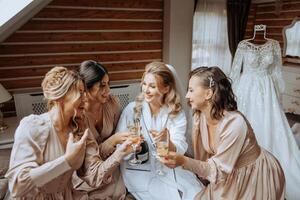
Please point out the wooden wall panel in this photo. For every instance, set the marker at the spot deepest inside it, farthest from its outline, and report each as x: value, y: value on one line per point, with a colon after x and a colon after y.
x: 145, y: 4
x: 265, y: 13
x: 53, y: 12
x: 8, y: 73
x: 61, y: 48
x: 71, y: 37
x: 57, y: 59
x: 287, y: 5
x: 79, y: 24
x: 36, y: 81
x: 123, y: 35
x: 67, y: 32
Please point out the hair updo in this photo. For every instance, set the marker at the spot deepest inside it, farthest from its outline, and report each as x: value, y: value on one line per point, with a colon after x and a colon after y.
x: 92, y: 72
x: 57, y: 82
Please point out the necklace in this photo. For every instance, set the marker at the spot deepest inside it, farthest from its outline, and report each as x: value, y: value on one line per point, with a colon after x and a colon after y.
x: 97, y: 115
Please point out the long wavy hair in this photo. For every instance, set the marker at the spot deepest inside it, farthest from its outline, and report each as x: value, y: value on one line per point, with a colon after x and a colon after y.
x: 171, y: 98
x: 223, y: 97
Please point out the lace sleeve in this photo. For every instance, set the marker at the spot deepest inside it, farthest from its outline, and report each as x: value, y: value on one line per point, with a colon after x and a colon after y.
x: 276, y: 72
x: 236, y: 67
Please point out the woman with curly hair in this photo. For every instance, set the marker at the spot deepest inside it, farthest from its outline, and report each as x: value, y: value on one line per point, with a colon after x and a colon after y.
x: 226, y: 152
x: 160, y: 113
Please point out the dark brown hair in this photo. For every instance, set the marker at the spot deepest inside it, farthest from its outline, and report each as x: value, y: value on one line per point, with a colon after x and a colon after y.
x: 92, y: 72
x: 223, y: 97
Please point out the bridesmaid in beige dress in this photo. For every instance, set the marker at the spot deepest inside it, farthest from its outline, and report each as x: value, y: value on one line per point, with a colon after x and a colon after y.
x: 48, y: 148
x: 103, y: 111
x: 225, y: 149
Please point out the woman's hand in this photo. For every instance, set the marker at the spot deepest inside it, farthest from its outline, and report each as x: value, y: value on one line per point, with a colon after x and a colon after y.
x: 125, y: 148
x: 173, y: 159
x: 162, y: 135
x: 75, y: 151
x: 119, y: 138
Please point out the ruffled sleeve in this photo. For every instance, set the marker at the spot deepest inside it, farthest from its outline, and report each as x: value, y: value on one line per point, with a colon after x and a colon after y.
x: 277, y: 70
x: 217, y: 167
x: 94, y: 171
x: 27, y: 171
x: 237, y: 63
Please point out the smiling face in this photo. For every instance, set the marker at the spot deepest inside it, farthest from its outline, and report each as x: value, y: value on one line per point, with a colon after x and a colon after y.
x: 74, y: 100
x: 100, y: 90
x: 198, y: 95
x: 152, y: 89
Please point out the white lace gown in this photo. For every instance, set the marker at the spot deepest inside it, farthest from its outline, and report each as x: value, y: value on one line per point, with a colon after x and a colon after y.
x: 257, y: 83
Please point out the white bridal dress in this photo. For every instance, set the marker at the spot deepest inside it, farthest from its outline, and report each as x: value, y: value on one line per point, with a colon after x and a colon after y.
x: 257, y: 84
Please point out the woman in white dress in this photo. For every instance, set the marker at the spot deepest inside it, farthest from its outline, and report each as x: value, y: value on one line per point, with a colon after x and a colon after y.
x: 50, y: 147
x: 257, y: 84
x: 158, y: 107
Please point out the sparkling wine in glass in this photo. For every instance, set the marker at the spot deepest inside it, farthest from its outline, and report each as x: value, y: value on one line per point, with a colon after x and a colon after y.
x: 162, y: 149
x: 136, y: 139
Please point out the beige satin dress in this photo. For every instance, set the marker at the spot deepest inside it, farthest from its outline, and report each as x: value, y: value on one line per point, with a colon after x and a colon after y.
x: 38, y: 168
x: 114, y: 189
x: 235, y: 165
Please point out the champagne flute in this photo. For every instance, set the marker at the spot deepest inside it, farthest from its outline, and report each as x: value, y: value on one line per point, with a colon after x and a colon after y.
x: 135, y: 128
x: 162, y: 149
x: 153, y: 133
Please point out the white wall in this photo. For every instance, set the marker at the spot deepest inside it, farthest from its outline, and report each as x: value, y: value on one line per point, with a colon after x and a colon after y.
x: 177, y: 45
x: 9, y: 8
x: 178, y: 28
x: 15, y: 13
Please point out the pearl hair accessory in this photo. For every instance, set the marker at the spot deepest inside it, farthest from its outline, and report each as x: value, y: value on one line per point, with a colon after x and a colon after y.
x: 211, y: 82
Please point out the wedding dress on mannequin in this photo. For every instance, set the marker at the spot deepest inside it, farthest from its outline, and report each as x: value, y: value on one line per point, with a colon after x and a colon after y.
x: 257, y: 84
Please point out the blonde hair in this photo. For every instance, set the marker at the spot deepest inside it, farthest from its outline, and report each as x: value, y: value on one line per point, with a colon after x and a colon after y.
x: 57, y: 82
x: 171, y: 98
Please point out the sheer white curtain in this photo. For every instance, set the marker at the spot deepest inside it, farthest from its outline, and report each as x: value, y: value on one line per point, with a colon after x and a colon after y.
x: 210, y: 41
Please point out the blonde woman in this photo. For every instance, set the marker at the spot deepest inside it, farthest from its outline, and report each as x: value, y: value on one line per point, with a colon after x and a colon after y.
x: 159, y: 111
x: 48, y: 148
